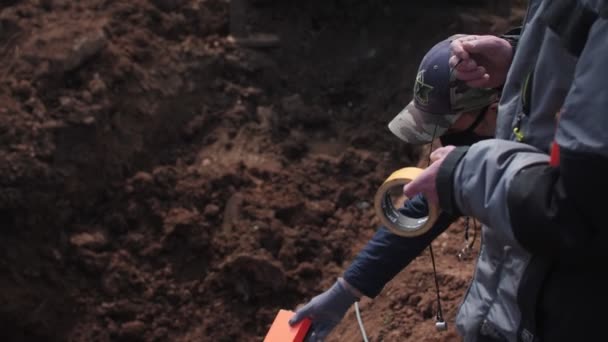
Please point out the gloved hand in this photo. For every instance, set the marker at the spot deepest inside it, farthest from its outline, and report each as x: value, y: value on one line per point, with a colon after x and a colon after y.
x: 325, y: 311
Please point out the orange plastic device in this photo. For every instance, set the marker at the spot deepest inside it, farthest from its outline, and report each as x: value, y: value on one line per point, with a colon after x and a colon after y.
x: 281, y: 331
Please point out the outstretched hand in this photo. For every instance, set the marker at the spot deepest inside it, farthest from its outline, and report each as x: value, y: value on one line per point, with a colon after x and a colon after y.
x: 325, y: 311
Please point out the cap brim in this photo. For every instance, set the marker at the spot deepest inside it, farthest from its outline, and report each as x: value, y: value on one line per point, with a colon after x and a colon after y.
x: 417, y: 127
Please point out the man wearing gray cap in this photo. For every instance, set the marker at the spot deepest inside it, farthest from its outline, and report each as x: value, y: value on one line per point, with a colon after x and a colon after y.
x: 439, y: 102
x: 445, y: 108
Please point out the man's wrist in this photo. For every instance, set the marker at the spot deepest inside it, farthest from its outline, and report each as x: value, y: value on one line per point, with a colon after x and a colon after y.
x: 353, y: 290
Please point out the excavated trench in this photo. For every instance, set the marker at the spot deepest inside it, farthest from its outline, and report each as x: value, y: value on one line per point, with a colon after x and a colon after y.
x: 161, y: 180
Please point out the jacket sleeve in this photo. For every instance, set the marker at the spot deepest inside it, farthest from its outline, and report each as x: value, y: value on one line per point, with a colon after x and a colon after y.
x: 386, y: 254
x: 549, y: 210
x: 475, y: 181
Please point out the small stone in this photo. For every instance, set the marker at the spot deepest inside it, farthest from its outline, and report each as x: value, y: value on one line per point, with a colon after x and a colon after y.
x: 87, y: 96
x: 362, y: 205
x: 95, y: 240
x: 89, y: 120
x: 133, y: 328
x: 143, y: 177
x: 66, y: 101
x: 97, y: 85
x: 211, y: 210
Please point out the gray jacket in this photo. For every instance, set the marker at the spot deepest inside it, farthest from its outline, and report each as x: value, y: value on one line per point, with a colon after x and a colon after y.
x: 559, y: 66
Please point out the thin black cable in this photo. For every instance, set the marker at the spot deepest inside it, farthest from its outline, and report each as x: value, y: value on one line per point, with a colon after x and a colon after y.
x: 439, y: 317
x: 439, y: 310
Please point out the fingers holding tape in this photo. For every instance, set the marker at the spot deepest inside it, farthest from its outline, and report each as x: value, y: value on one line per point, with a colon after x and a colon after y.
x: 389, y: 194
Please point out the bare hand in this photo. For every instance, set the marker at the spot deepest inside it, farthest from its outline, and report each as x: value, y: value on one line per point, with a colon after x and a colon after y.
x: 481, y: 61
x: 425, y: 183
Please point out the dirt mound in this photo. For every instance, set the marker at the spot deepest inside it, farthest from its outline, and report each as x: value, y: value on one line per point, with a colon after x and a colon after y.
x: 160, y: 182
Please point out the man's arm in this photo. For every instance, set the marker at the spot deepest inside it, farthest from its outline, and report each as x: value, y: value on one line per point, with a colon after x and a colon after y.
x: 475, y: 180
x: 386, y: 254
x: 565, y: 205
x: 383, y: 257
x: 511, y: 187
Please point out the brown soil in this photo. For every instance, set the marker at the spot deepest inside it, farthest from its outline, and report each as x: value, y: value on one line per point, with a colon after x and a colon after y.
x: 159, y: 182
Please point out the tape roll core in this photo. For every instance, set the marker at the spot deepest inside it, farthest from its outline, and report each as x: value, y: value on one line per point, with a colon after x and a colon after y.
x: 391, y: 192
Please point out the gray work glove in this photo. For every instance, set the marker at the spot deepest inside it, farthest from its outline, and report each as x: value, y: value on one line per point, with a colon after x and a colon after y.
x: 325, y: 311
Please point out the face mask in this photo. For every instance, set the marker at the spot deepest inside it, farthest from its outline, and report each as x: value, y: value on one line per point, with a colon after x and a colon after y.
x: 466, y: 137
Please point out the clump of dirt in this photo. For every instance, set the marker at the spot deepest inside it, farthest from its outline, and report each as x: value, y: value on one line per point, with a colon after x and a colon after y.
x: 160, y: 181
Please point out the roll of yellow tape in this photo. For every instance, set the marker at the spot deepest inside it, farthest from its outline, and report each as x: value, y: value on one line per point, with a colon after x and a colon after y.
x: 389, y: 194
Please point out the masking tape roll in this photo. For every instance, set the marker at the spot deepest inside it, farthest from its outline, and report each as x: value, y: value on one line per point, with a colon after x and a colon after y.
x: 391, y: 192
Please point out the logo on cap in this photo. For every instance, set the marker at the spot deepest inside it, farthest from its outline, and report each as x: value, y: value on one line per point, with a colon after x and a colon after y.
x: 421, y: 89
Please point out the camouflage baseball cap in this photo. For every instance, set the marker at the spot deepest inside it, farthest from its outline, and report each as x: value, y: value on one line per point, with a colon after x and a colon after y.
x: 439, y: 99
